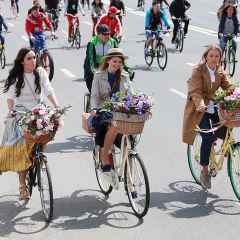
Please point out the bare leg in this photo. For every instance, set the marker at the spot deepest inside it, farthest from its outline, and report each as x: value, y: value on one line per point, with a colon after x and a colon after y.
x: 108, y: 142
x: 23, y: 187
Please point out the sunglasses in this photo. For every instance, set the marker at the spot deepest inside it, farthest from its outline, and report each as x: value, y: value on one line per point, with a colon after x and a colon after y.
x: 30, y: 58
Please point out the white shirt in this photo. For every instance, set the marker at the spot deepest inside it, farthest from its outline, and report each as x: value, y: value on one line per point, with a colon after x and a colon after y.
x: 213, y: 79
x: 29, y: 98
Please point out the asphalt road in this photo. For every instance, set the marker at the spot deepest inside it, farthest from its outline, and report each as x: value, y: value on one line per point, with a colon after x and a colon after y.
x: 179, y: 209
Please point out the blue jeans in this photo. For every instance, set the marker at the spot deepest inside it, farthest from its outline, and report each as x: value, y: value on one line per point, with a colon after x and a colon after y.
x: 40, y: 41
x: 209, y: 138
x: 223, y: 42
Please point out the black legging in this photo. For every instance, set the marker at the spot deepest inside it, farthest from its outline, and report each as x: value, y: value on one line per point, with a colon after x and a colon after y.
x: 15, y: 2
x: 176, y: 26
x: 83, y: 3
x: 209, y: 138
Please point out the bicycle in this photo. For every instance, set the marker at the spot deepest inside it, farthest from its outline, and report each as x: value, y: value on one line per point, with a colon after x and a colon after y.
x: 229, y: 56
x: 53, y: 15
x: 39, y: 175
x: 2, y: 56
x: 43, y: 56
x: 141, y: 4
x: 159, y: 50
x: 179, y: 41
x: 76, y: 37
x: 229, y: 148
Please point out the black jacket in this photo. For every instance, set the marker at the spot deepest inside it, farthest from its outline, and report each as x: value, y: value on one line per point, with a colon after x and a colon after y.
x: 2, y: 23
x: 52, y: 4
x: 178, y: 8
x: 222, y: 23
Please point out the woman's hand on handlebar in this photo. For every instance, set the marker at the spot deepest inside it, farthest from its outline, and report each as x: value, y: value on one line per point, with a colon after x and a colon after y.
x: 202, y: 108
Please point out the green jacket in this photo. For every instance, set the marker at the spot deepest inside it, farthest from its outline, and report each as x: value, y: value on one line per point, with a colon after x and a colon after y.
x: 97, y: 49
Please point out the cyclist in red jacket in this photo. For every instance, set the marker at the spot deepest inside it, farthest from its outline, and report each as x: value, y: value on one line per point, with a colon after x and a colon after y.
x: 112, y: 21
x: 35, y: 23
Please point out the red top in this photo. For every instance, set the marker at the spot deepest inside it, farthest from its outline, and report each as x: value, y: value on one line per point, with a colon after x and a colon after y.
x: 114, y: 24
x: 36, y: 24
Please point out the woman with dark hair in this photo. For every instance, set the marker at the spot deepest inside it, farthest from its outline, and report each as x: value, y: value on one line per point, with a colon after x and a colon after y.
x: 229, y: 25
x: 24, y: 88
x: 110, y: 79
x: 97, y: 11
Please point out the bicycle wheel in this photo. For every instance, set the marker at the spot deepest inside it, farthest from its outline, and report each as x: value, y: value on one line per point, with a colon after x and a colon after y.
x: 231, y: 62
x: 48, y: 64
x: 162, y: 55
x: 181, y: 41
x: 2, y: 58
x: 78, y: 39
x: 148, y: 56
x: 30, y: 179
x: 193, y: 154
x: 87, y: 102
x: 105, y: 187
x: 234, y: 170
x: 137, y: 185
x: 45, y: 188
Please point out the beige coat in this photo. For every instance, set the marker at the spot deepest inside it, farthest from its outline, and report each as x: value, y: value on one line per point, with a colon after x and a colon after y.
x: 101, y: 88
x: 200, y: 91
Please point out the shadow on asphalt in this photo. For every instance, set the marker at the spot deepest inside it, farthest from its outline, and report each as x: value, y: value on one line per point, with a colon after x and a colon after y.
x: 10, y: 209
x: 186, y: 199
x: 79, y: 143
x: 79, y: 80
x: 144, y: 67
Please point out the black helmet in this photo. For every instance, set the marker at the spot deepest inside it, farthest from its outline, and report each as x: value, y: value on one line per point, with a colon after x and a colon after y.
x: 103, y: 29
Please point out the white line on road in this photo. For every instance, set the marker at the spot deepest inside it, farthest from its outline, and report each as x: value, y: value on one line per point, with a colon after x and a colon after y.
x: 25, y: 38
x: 88, y: 23
x: 191, y: 64
x: 10, y: 24
x: 68, y: 73
x: 182, y: 95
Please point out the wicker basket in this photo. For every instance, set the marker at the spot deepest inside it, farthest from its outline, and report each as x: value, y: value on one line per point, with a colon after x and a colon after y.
x: 43, y: 139
x: 232, y: 118
x: 129, y: 124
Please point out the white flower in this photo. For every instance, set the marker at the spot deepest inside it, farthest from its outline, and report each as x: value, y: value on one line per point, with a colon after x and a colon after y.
x: 39, y: 124
x: 39, y: 133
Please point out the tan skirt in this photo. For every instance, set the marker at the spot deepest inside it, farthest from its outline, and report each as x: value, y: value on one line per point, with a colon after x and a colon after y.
x: 14, y: 151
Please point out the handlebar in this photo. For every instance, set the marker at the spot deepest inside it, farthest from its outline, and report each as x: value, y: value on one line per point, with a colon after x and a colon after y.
x: 71, y: 15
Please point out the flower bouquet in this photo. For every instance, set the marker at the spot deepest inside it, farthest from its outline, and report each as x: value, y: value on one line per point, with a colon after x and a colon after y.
x: 229, y: 106
x: 41, y: 123
x: 130, y: 111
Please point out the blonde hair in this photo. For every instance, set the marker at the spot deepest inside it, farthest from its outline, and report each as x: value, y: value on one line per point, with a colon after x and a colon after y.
x: 210, y: 48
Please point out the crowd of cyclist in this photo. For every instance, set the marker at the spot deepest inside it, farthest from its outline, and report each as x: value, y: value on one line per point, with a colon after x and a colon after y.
x: 107, y: 33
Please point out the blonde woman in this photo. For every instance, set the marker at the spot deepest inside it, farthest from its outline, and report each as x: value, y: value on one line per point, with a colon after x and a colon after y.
x: 207, y: 78
x: 107, y: 81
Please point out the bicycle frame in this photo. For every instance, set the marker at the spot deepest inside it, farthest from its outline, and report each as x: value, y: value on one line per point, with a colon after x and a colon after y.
x: 216, y: 164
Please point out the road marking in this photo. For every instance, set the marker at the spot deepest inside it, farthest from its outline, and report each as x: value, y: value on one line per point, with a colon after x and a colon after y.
x: 25, y: 38
x: 212, y: 13
x: 88, y: 23
x: 68, y: 73
x: 181, y: 94
x: 10, y: 24
x: 191, y: 64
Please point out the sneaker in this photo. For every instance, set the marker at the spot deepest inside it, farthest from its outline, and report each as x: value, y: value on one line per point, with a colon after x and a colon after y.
x: 205, y: 181
x: 107, y: 168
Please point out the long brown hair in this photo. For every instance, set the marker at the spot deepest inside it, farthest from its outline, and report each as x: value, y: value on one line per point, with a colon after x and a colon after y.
x: 104, y: 66
x: 213, y: 47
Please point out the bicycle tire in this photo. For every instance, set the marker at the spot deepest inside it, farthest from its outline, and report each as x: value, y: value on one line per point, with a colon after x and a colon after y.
x: 231, y: 61
x: 87, y: 102
x: 106, y: 190
x: 181, y: 40
x: 134, y: 202
x: 3, y: 58
x: 148, y: 57
x: 30, y: 179
x: 44, y: 170
x: 162, y: 54
x: 234, y: 170
x: 78, y: 38
x: 193, y: 155
x: 48, y: 64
